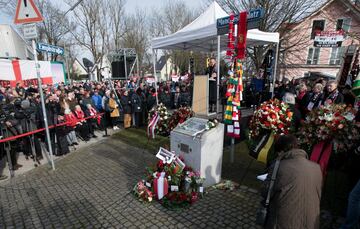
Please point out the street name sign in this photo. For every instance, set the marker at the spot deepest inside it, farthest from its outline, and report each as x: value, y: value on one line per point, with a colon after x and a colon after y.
x: 253, y: 21
x: 27, y: 12
x: 50, y: 49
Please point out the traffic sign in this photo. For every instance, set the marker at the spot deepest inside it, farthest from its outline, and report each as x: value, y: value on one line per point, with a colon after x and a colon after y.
x: 27, y: 12
x: 50, y: 49
x: 30, y: 31
x: 253, y: 19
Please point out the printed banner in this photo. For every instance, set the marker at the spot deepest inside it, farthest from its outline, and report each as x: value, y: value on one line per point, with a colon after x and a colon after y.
x: 23, y: 71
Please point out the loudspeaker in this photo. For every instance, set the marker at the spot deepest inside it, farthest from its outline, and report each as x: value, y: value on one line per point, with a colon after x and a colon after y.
x: 118, y: 67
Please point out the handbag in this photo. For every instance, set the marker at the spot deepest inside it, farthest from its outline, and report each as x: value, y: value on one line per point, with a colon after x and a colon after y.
x: 262, y: 212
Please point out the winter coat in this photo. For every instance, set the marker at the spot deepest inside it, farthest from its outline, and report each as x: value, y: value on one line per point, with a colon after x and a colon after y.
x: 97, y: 102
x: 295, y: 200
x: 315, y: 100
x: 136, y: 103
x: 86, y: 101
x: 151, y: 101
x: 114, y: 107
x: 184, y: 99
x: 126, y: 104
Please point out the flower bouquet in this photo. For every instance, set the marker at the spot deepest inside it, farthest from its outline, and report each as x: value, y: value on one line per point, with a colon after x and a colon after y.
x: 180, y: 116
x: 271, y: 119
x: 162, y: 124
x: 172, y: 183
x: 272, y: 116
x: 335, y: 123
x: 142, y: 192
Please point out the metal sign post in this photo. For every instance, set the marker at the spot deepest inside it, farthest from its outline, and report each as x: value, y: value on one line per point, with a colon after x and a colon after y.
x: 43, y: 105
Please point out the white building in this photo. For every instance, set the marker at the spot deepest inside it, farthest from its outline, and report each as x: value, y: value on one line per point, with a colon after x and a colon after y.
x: 13, y: 44
x: 165, y: 68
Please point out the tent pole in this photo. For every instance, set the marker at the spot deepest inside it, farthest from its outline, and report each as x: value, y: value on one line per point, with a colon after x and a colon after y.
x: 218, y: 76
x: 155, y: 76
x: 272, y: 88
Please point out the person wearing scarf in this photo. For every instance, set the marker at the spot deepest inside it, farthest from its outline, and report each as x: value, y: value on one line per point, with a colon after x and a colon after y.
x: 83, y: 127
x: 71, y: 121
x: 333, y: 96
x: 315, y: 97
x: 94, y: 120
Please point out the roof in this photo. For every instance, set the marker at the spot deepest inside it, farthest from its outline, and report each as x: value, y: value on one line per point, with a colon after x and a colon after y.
x: 355, y: 9
x: 201, y: 34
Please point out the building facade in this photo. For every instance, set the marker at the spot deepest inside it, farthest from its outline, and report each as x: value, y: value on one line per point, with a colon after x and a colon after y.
x: 299, y: 56
x: 13, y: 45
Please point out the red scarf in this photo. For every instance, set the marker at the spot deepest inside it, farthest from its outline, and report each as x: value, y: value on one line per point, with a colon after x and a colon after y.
x: 93, y: 113
x: 80, y: 115
x: 71, y: 119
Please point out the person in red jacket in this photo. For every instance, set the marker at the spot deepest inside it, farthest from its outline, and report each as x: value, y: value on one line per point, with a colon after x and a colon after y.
x: 72, y: 121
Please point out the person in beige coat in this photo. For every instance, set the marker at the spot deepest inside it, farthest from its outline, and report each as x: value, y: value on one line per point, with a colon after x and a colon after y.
x: 114, y: 111
x: 295, y: 199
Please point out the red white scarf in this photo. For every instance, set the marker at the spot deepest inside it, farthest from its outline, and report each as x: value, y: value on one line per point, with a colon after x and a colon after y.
x: 80, y: 115
x: 93, y: 113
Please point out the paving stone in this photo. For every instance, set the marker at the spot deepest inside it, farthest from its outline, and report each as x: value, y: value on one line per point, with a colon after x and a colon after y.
x: 90, y: 189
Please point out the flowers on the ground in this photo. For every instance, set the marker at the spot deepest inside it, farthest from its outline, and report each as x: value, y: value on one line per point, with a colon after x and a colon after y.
x: 334, y: 123
x: 272, y: 116
x: 173, y: 184
x: 142, y: 192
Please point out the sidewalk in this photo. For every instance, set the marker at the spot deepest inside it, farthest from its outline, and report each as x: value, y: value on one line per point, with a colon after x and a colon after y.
x: 29, y: 164
x: 91, y: 188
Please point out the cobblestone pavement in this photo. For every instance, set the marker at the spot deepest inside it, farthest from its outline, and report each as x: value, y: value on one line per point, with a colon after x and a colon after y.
x: 91, y: 189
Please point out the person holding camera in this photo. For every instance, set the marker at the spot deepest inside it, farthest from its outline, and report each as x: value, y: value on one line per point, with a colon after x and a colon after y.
x: 293, y: 197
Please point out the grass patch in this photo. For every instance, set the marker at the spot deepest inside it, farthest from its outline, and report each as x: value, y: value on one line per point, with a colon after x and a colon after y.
x: 138, y: 138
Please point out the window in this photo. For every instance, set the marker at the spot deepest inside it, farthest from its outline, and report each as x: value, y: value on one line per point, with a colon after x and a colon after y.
x: 343, y: 24
x: 336, y: 55
x: 318, y: 25
x: 313, y: 56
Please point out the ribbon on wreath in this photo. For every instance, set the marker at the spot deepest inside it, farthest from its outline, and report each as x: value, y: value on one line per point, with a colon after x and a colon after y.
x: 262, y: 148
x: 161, y: 186
x: 321, y: 154
x: 152, y: 125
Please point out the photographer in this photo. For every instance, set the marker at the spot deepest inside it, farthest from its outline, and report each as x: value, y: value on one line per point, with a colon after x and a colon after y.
x: 52, y: 110
x: 10, y: 127
x: 25, y: 113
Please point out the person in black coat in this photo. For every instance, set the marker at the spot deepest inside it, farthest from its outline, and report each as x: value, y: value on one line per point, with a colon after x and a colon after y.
x: 315, y: 97
x: 332, y: 96
x: 151, y: 99
x: 136, y: 103
x: 184, y: 99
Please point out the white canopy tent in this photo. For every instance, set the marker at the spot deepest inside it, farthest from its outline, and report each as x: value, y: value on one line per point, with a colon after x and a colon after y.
x: 201, y: 35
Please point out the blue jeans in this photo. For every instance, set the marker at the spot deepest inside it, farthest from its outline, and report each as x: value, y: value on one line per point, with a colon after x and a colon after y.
x: 353, y: 210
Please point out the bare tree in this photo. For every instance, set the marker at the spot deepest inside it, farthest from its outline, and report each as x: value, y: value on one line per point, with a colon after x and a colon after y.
x: 92, y: 28
x: 55, y: 26
x: 173, y: 16
x: 117, y: 23
x: 136, y: 35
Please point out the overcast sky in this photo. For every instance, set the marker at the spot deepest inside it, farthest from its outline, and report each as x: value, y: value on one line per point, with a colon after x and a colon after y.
x: 131, y: 5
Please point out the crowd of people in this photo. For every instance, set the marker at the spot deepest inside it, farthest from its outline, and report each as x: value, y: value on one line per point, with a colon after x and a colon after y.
x: 75, y: 111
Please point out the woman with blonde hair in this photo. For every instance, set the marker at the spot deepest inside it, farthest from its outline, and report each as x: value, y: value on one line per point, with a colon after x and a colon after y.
x: 315, y: 97
x: 114, y: 111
